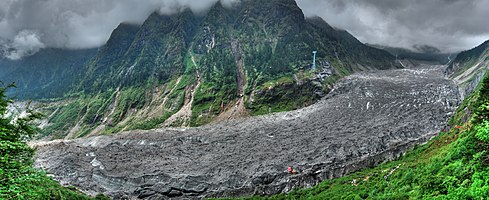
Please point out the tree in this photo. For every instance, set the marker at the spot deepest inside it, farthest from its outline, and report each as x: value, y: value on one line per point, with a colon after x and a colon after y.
x: 18, y: 179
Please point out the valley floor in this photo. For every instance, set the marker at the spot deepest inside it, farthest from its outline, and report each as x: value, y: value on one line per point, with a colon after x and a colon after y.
x: 368, y: 118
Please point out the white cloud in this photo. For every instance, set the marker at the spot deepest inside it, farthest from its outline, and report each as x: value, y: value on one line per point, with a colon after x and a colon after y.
x: 79, y: 24
x: 450, y: 25
x: 25, y: 43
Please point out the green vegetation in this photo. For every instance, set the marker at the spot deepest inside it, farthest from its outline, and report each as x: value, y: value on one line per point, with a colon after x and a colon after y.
x: 454, y: 165
x: 151, y: 123
x: 207, y: 104
x: 68, y: 114
x: 47, y: 74
x: 18, y: 179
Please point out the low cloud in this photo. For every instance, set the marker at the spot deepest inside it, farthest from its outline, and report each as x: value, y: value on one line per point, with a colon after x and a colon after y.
x: 448, y: 25
x: 78, y: 24
x: 24, y: 44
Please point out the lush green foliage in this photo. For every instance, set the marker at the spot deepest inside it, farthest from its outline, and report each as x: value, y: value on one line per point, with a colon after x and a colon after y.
x: 18, y: 179
x: 483, y: 131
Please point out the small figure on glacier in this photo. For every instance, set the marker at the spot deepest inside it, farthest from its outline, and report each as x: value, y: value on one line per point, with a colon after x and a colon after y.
x: 291, y: 170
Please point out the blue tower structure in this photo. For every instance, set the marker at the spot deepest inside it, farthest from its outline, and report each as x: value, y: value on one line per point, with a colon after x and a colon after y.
x: 314, y: 60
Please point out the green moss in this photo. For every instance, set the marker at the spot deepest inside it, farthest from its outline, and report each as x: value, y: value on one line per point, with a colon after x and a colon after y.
x: 151, y: 123
x: 207, y: 104
x: 288, y: 79
x: 284, y: 95
x: 30, y: 183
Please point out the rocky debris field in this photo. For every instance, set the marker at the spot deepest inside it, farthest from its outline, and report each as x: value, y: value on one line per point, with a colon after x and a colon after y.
x: 367, y: 118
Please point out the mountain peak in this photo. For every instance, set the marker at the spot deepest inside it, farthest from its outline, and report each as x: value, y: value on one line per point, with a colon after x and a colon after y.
x: 257, y: 55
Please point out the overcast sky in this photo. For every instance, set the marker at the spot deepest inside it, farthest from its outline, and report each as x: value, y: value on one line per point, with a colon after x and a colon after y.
x: 450, y: 25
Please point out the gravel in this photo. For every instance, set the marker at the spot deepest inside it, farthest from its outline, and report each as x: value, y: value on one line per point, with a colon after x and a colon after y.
x: 368, y: 118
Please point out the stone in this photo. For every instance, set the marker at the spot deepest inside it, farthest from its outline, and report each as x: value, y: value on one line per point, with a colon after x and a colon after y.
x: 175, y: 193
x: 161, y: 188
x: 145, y: 193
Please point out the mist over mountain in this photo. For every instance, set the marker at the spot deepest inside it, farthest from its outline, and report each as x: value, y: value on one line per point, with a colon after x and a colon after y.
x: 29, y: 25
x: 76, y: 24
x: 421, y: 53
x: 448, y: 25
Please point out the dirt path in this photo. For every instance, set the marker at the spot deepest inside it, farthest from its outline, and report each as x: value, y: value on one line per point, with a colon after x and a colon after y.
x: 106, y: 120
x: 238, y: 110
x: 367, y: 118
x: 171, y: 91
x: 185, y: 113
x: 113, y: 106
x: 45, y: 121
x: 161, y: 106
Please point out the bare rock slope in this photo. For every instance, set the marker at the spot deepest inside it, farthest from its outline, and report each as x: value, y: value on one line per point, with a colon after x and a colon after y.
x: 368, y: 118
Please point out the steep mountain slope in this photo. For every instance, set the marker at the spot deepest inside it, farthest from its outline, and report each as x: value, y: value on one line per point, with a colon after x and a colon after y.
x: 108, y: 57
x: 189, y: 70
x: 469, y: 67
x: 49, y: 73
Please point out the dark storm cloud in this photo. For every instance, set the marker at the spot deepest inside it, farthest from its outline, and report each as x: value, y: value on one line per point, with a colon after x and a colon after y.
x: 449, y: 25
x: 28, y: 25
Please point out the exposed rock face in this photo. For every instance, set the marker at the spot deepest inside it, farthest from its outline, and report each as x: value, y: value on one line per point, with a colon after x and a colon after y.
x: 472, y: 84
x: 368, y: 118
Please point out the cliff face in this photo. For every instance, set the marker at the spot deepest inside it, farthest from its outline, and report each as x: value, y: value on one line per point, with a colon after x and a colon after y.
x: 469, y: 67
x: 368, y: 118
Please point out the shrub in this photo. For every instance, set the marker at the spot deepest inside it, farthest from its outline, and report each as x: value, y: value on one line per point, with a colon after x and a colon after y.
x: 482, y: 131
x: 18, y: 179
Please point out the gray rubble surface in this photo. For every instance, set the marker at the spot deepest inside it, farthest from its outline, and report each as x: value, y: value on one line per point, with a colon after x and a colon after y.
x: 366, y: 119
